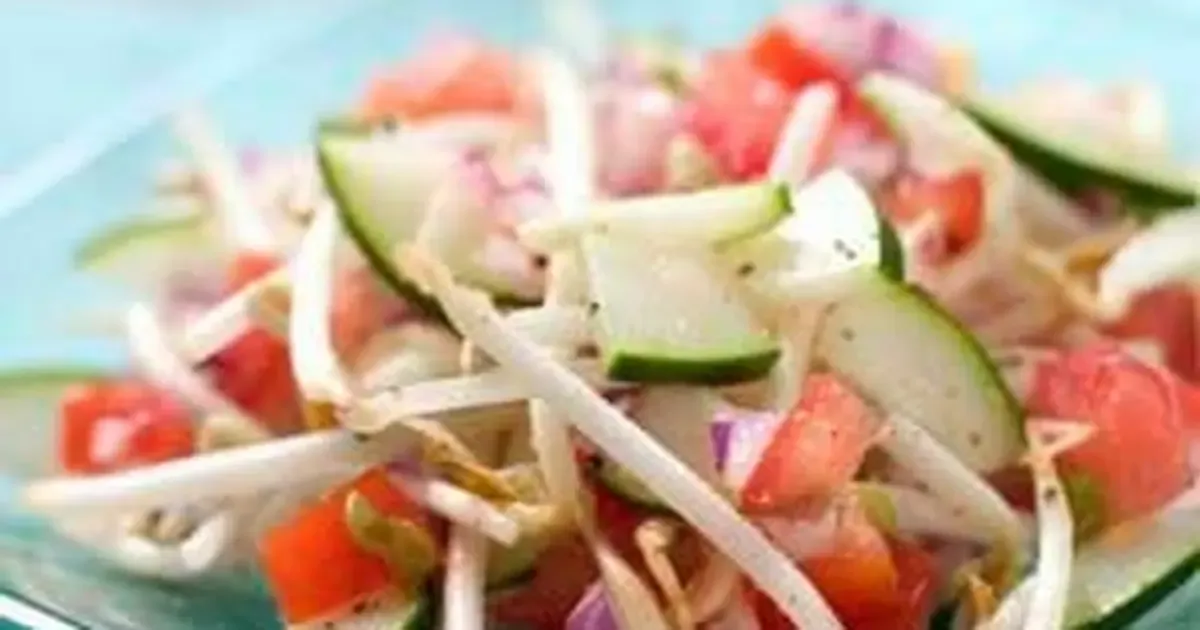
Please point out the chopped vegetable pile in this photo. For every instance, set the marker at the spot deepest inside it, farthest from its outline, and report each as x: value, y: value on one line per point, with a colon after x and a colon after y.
x: 807, y: 332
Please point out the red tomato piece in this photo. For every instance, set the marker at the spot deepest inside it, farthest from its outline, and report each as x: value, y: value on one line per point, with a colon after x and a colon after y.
x: 776, y: 51
x: 737, y: 112
x: 311, y: 562
x: 956, y: 199
x: 857, y: 576
x: 1138, y: 456
x: 564, y: 572
x: 110, y: 426
x: 449, y: 76
x: 1167, y: 316
x: 910, y: 605
x: 815, y: 451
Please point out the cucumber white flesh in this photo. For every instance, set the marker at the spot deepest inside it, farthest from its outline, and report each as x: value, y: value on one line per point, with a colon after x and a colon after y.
x: 382, y: 186
x: 385, y: 613
x: 710, y: 217
x: 141, y: 253
x: 29, y: 401
x: 625, y: 485
x: 833, y: 228
x: 1149, y: 187
x: 1113, y: 585
x: 907, y: 354
x: 672, y: 316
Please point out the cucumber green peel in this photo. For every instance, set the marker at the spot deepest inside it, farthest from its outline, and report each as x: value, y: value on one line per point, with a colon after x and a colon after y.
x: 1149, y: 188
x: 361, y: 227
x: 168, y: 230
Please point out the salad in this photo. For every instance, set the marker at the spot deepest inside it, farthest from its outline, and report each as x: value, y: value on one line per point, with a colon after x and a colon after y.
x: 805, y: 332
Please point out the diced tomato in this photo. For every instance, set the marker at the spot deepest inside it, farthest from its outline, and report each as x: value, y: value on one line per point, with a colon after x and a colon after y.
x: 116, y: 425
x: 737, y: 112
x: 449, y: 76
x: 312, y: 564
x: 815, y: 451
x: 915, y: 587
x: 1138, y: 456
x: 956, y: 199
x: 563, y: 574
x: 778, y: 52
x: 1167, y: 316
x: 861, y: 579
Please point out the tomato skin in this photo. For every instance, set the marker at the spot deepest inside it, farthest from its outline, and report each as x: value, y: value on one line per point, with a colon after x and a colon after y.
x: 1166, y: 315
x: 956, y: 199
x: 816, y: 450
x: 458, y: 75
x: 1138, y: 455
x: 564, y: 573
x: 116, y: 425
x: 311, y: 562
x: 737, y: 112
x: 777, y: 52
x: 900, y: 604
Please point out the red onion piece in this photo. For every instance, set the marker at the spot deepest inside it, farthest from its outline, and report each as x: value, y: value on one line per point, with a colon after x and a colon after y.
x: 740, y: 441
x: 593, y: 612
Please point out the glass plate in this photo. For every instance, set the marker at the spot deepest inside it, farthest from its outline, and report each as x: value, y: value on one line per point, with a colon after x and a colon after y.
x: 313, y: 66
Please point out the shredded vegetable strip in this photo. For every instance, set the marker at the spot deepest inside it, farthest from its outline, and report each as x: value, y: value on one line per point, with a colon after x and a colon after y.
x: 466, y: 567
x: 219, y: 326
x: 153, y: 350
x: 227, y: 473
x: 1056, y: 532
x: 315, y: 363
x: 796, y: 152
x: 241, y: 217
x: 1014, y: 608
x: 927, y: 460
x: 633, y: 604
x: 461, y: 507
x: 571, y: 175
x: 461, y: 393
x: 614, y: 433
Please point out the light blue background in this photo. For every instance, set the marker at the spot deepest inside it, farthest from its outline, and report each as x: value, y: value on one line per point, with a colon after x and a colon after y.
x: 82, y: 85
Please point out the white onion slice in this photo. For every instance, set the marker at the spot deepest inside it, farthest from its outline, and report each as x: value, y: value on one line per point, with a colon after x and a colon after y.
x: 246, y: 224
x: 1164, y: 252
x: 630, y: 447
x: 221, y: 325
x: 1014, y: 608
x: 466, y: 569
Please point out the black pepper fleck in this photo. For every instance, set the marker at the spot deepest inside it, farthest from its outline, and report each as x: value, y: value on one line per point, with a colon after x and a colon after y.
x: 540, y: 261
x: 846, y: 334
x: 746, y: 269
x: 1051, y: 494
x: 974, y: 439
x: 593, y: 308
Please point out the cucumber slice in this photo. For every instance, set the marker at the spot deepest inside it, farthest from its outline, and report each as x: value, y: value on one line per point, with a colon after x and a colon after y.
x: 907, y: 354
x: 381, y: 186
x: 623, y: 484
x: 1112, y: 586
x: 142, y: 252
x: 1148, y: 187
x: 714, y: 216
x: 672, y: 316
x: 834, y: 227
x: 29, y: 400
